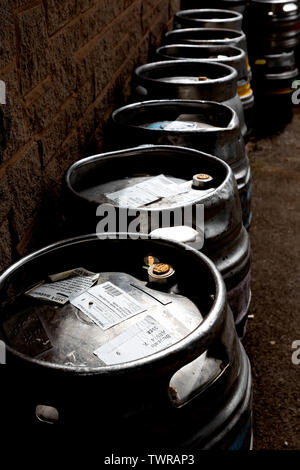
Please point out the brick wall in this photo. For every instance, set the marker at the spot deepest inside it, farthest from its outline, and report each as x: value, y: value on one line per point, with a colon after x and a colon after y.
x: 66, y: 65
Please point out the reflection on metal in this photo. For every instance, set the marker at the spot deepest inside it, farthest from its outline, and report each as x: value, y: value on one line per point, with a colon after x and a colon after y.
x: 205, y: 369
x: 221, y: 86
x: 226, y: 241
x: 219, y: 135
x: 208, y: 18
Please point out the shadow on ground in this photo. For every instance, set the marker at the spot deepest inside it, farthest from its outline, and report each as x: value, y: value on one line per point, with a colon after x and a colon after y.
x: 275, y: 237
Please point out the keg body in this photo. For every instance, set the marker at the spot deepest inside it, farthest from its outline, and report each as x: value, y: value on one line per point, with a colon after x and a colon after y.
x: 100, y: 181
x: 205, y: 126
x: 208, y: 18
x: 227, y: 55
x: 215, y: 411
x: 277, y: 26
x: 276, y: 82
x: 208, y: 37
x: 189, y: 79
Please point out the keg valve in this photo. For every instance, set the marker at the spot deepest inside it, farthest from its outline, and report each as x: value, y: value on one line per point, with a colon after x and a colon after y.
x: 202, y: 181
x: 161, y: 273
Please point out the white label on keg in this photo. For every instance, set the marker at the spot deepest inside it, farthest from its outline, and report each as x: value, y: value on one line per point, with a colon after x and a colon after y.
x: 180, y: 80
x: 65, y: 285
x: 193, y: 195
x: 146, y: 192
x: 181, y: 126
x: 184, y: 122
x: 141, y: 340
x: 187, y: 195
x: 107, y: 305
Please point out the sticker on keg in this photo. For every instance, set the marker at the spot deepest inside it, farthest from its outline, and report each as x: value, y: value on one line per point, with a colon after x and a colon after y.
x: 183, y: 80
x: 184, y: 122
x: 107, y: 305
x: 181, y: 126
x: 64, y: 286
x: 156, y: 126
x: 146, y: 192
x: 198, y: 121
x: 172, y: 125
x: 141, y: 340
x: 187, y: 195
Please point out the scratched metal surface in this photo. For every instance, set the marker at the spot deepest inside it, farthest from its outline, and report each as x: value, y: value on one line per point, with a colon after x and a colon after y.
x: 149, y: 82
x: 228, y: 55
x: 226, y: 240
x: 73, y: 336
x: 208, y: 18
x: 223, y: 140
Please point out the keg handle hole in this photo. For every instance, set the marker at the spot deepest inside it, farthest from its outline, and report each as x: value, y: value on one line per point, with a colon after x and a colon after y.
x: 141, y: 91
x: 46, y: 414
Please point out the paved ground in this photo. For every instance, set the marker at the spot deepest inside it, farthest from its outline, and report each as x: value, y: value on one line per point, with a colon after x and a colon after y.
x: 275, y: 236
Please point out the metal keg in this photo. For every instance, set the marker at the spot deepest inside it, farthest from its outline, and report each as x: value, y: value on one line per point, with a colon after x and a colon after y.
x: 172, y: 353
x: 189, y: 79
x: 275, y: 73
x: 135, y: 178
x: 228, y: 55
x: 208, y: 37
x: 210, y: 127
x: 273, y: 26
x: 208, y: 18
x: 274, y: 78
x: 235, y: 5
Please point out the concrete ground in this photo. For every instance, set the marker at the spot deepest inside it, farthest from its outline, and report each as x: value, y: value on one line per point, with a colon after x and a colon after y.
x: 275, y: 325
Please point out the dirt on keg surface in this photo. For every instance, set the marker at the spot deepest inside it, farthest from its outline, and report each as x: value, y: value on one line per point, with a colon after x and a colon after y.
x: 275, y: 237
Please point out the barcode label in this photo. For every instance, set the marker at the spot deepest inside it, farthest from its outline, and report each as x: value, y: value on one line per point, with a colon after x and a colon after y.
x: 141, y: 340
x: 111, y: 290
x: 107, y: 305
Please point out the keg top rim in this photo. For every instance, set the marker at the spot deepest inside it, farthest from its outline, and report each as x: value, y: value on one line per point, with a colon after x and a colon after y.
x: 233, y: 122
x: 140, y: 150
x: 239, y: 53
x: 235, y: 34
x: 191, y: 344
x: 142, y: 70
x: 232, y: 15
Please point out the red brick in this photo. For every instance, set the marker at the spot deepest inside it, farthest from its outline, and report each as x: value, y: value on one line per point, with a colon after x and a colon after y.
x: 59, y: 13
x: 5, y: 246
x: 63, y: 69
x: 25, y: 184
x: 42, y: 111
x: 56, y: 168
x: 78, y: 104
x: 5, y: 198
x: 14, y: 128
x: 7, y: 33
x: 33, y: 53
x: 84, y: 5
x: 67, y: 64
x: 53, y: 137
